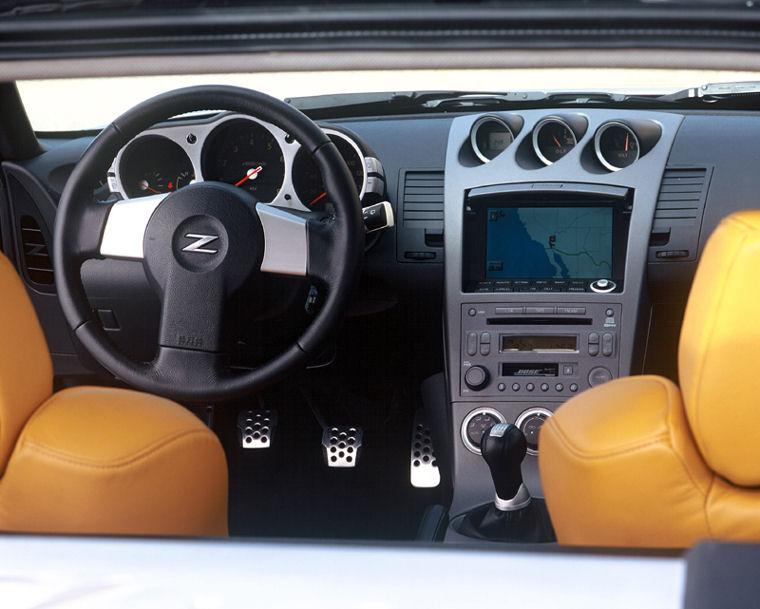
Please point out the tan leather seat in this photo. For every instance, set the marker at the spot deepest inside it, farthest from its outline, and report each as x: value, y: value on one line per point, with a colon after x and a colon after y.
x: 638, y: 462
x: 96, y: 460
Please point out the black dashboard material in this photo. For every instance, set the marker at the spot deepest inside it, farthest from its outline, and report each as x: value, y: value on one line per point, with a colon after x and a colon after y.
x: 711, y: 154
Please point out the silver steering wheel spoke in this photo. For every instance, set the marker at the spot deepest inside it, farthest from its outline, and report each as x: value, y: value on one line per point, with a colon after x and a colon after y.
x: 286, y: 246
x: 125, y: 226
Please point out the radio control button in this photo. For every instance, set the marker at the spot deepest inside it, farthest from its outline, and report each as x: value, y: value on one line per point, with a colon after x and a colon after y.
x: 515, y: 386
x: 485, y: 348
x: 593, y: 349
x: 476, y: 378
x: 573, y: 387
x: 544, y: 386
x: 608, y: 342
x: 559, y: 387
x: 609, y: 313
x: 530, y: 386
x: 571, y: 310
x: 472, y: 312
x: 510, y: 310
x: 501, y: 386
x: 472, y: 343
x: 540, y: 310
x: 599, y: 375
x: 567, y: 370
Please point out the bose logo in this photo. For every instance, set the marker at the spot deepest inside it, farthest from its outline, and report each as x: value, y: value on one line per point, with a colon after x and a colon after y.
x: 201, y: 240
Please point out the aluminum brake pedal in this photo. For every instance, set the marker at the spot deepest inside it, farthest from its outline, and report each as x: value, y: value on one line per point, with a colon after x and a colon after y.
x: 341, y: 445
x: 256, y: 427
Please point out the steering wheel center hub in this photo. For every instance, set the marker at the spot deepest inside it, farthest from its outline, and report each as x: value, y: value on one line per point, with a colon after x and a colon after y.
x: 205, y: 229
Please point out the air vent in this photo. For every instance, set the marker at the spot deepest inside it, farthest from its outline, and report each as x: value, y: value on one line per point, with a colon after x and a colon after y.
x: 423, y: 200
x: 678, y: 216
x: 681, y: 195
x: 419, y: 233
x: 39, y: 267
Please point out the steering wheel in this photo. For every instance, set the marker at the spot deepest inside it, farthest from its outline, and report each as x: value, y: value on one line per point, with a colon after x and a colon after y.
x: 201, y: 243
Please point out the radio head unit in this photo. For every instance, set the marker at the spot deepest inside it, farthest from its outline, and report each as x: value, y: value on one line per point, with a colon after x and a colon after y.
x: 544, y: 241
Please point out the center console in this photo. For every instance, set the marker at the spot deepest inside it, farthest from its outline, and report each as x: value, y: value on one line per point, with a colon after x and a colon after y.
x: 545, y: 272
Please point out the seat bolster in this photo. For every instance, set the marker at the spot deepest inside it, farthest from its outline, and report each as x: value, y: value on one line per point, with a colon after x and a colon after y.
x: 619, y: 468
x: 111, y: 461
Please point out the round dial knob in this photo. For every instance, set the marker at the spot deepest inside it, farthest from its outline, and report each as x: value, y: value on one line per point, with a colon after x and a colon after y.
x: 476, y: 378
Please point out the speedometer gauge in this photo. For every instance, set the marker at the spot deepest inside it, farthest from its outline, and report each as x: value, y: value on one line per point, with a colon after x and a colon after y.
x: 552, y: 139
x: 244, y: 153
x: 153, y: 165
x: 307, y: 180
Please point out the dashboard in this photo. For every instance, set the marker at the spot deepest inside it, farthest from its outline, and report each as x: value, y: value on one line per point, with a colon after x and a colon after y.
x: 243, y: 151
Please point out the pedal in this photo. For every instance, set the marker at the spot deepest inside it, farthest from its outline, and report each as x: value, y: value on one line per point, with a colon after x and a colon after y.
x: 423, y: 467
x: 256, y: 427
x: 341, y: 446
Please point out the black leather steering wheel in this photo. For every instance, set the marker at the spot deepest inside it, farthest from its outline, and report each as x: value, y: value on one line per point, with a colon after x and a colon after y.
x: 199, y: 244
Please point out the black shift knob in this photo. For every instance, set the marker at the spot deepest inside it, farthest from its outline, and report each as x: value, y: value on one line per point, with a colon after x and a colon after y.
x: 503, y: 447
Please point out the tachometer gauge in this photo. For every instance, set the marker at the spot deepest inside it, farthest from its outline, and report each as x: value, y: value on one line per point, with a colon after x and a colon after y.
x: 489, y: 137
x: 552, y: 139
x: 616, y: 146
x: 307, y: 180
x: 244, y: 153
x: 153, y: 165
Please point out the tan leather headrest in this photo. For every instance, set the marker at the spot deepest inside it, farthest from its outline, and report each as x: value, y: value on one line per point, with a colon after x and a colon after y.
x: 26, y: 373
x: 719, y: 351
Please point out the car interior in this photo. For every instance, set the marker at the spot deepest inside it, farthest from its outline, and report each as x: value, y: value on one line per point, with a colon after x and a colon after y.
x: 512, y: 322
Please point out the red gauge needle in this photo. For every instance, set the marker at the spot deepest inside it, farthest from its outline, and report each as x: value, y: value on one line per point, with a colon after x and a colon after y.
x: 556, y: 140
x: 144, y: 185
x: 626, y: 142
x: 250, y: 175
x: 324, y: 194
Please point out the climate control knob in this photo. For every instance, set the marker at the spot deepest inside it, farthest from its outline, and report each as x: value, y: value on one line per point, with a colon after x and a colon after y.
x: 476, y: 378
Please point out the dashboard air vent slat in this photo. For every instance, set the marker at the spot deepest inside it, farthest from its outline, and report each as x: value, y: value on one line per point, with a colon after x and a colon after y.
x: 681, y: 195
x: 423, y: 199
x: 678, y: 215
x: 39, y: 267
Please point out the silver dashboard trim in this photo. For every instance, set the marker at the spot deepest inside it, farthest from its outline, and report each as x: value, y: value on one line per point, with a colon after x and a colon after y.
x: 470, y: 416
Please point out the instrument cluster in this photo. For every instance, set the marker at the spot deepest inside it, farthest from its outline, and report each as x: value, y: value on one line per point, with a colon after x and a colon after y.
x: 245, y: 152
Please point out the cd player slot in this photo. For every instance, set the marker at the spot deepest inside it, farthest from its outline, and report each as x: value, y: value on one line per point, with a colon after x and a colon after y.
x: 539, y: 321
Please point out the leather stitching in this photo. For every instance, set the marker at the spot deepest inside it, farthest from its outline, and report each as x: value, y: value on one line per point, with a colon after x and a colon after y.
x: 654, y: 441
x: 132, y: 459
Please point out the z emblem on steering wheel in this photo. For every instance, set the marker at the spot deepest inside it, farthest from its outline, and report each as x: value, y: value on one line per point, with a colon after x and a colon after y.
x: 197, y: 246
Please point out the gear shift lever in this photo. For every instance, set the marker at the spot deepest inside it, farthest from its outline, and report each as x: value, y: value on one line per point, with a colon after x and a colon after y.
x: 503, y: 448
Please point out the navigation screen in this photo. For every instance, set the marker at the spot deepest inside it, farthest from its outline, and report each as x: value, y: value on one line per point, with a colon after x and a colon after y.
x: 549, y: 242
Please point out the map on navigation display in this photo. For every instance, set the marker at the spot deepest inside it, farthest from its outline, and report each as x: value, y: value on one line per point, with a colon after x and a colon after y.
x: 549, y: 242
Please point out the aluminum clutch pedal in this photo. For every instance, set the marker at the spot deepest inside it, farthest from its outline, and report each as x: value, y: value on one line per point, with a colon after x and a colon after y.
x: 256, y: 427
x: 342, y: 445
x: 423, y: 466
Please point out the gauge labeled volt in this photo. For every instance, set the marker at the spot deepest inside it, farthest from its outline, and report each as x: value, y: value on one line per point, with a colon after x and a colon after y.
x: 616, y: 146
x: 553, y: 138
x: 489, y: 137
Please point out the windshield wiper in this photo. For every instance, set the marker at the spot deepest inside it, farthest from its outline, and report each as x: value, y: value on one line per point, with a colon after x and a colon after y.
x: 714, y: 92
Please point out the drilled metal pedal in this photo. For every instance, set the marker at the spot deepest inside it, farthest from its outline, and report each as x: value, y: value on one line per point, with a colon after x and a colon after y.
x: 423, y: 466
x: 256, y: 427
x: 341, y: 445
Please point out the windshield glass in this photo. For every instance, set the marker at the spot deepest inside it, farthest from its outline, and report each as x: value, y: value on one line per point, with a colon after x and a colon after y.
x: 90, y: 103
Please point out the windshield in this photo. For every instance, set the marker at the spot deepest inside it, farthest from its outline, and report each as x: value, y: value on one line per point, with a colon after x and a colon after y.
x: 91, y: 103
